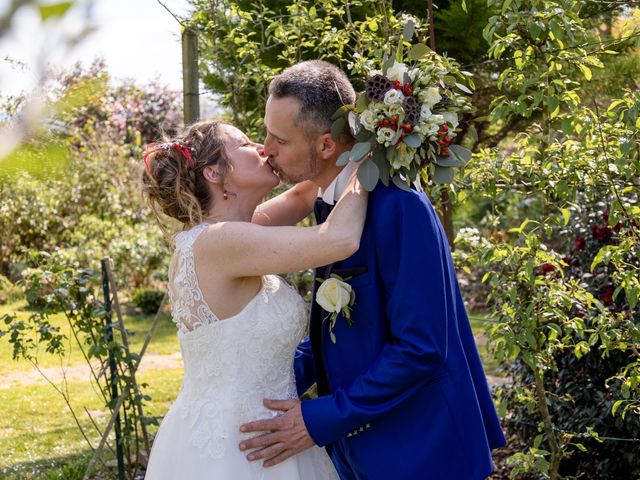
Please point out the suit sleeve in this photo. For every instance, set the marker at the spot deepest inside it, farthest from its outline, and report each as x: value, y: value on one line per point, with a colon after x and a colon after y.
x: 412, y: 260
x: 304, y: 367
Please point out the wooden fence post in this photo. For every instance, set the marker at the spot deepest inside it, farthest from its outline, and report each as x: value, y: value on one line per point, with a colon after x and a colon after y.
x: 123, y: 395
x: 112, y: 365
x: 125, y: 342
x: 190, y: 77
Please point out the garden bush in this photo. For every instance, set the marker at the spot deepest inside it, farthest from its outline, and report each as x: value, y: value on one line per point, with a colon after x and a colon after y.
x: 148, y: 300
x: 91, y: 207
x: 9, y: 292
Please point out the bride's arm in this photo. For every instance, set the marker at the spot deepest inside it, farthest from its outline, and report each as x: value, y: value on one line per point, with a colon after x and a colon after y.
x: 242, y: 249
x: 289, y: 207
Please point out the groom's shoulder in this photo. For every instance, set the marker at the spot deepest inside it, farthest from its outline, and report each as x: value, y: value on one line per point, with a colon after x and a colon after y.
x: 393, y: 197
x: 392, y: 208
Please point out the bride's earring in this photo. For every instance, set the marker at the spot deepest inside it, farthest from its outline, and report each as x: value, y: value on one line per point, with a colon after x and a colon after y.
x: 227, y: 193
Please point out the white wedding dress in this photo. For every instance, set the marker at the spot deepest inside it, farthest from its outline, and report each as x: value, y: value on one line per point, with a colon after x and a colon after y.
x: 229, y: 367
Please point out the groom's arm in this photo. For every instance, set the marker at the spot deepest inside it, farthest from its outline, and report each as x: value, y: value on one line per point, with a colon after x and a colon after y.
x: 289, y: 207
x: 417, y: 281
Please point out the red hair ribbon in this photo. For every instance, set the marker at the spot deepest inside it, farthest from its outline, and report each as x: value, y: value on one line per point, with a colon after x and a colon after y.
x: 184, y: 150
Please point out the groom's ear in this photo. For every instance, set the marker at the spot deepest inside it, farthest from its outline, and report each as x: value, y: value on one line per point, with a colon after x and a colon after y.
x: 327, y: 147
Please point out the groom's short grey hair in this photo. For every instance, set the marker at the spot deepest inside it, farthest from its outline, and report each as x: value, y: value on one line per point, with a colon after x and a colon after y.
x: 320, y: 87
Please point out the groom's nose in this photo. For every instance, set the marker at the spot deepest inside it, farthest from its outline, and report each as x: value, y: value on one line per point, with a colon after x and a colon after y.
x: 267, y: 148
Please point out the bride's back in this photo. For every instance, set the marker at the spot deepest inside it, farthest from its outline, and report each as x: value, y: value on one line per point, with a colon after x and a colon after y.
x: 256, y: 344
x: 230, y: 366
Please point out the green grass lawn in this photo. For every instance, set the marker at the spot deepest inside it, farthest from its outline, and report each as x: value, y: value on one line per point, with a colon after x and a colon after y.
x: 164, y: 339
x: 38, y: 436
x: 480, y: 322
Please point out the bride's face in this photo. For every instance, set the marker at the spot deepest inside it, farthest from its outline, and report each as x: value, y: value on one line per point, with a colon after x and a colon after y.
x: 249, y: 170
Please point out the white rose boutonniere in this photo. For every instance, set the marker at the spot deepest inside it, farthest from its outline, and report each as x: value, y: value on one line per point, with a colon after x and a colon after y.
x: 336, y: 297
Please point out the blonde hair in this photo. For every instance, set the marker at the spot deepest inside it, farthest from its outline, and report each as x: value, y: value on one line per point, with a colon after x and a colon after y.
x: 173, y: 188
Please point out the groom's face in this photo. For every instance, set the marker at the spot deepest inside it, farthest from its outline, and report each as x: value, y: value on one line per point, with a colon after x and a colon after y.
x: 292, y: 155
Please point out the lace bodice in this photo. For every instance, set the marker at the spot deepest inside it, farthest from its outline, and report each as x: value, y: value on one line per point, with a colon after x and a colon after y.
x: 231, y: 365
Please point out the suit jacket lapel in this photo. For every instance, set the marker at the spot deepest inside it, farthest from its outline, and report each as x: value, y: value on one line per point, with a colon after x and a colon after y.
x: 321, y: 210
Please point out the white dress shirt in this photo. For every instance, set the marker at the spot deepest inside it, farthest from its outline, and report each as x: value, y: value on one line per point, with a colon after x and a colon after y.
x: 336, y: 188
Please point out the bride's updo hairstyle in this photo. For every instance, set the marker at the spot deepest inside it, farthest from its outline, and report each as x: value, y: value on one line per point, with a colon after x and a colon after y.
x: 172, y: 182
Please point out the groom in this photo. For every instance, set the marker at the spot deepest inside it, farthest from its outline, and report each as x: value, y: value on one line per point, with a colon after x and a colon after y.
x: 401, y: 393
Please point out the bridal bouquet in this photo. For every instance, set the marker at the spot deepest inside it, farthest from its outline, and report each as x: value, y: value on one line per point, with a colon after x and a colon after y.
x: 406, y: 119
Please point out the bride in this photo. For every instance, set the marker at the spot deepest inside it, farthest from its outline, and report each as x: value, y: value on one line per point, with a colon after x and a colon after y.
x: 238, y: 323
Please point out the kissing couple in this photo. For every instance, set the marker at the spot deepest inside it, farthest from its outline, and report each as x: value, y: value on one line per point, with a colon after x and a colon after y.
x: 401, y: 392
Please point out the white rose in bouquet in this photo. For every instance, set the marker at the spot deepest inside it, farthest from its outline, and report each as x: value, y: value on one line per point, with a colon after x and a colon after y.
x: 385, y: 135
x: 431, y: 96
x: 397, y: 71
x: 368, y: 119
x: 425, y: 112
x: 393, y: 97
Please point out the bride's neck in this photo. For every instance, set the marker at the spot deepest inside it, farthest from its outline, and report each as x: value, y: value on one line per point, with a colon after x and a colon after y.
x: 231, y: 211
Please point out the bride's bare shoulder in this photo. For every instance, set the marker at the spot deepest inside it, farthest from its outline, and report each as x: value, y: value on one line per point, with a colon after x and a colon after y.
x: 221, y: 236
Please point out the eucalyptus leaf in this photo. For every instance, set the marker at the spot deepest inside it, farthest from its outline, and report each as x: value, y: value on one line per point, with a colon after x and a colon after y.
x: 359, y: 150
x: 340, y: 112
x: 408, y: 30
x: 413, y: 172
x: 401, y: 184
x: 413, y: 141
x: 380, y: 159
x: 337, y: 128
x: 389, y: 154
x: 368, y: 175
x: 388, y: 63
x: 462, y: 153
x: 448, y: 162
x: 399, y: 50
x: 442, y: 175
x: 343, y: 159
x: 364, y: 135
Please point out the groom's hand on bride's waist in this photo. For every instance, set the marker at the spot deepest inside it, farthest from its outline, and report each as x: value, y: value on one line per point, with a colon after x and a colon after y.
x: 286, y: 434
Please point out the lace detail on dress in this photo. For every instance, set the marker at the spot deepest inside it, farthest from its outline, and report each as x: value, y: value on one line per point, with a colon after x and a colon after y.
x: 230, y: 366
x: 188, y: 308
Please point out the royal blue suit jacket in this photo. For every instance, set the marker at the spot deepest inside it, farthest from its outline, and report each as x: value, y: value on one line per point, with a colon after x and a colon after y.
x: 402, y: 393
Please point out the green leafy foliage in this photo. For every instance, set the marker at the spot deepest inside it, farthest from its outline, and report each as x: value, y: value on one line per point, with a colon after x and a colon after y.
x: 245, y: 44
x: 560, y: 208
x: 91, y: 209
